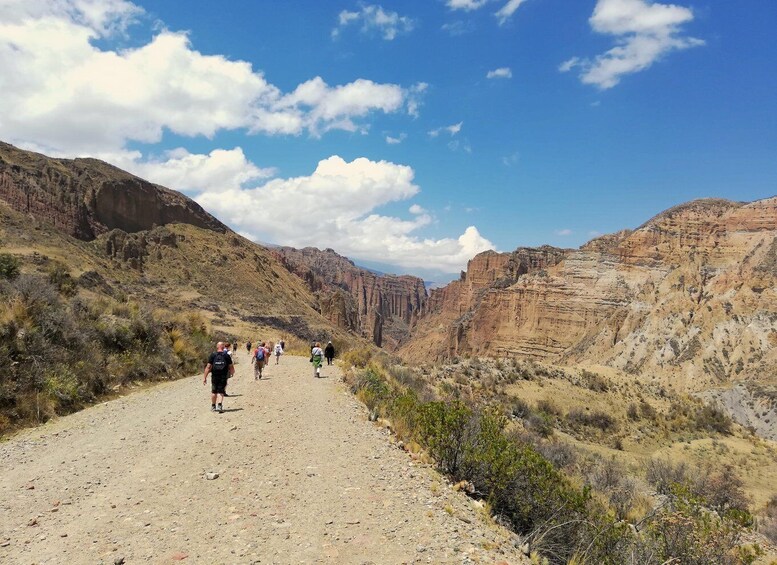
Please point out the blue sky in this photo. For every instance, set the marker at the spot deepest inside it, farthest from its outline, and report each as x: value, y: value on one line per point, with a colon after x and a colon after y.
x: 407, y: 135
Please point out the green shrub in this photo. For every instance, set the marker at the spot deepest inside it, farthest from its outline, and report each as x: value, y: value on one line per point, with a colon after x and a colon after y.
x: 10, y: 266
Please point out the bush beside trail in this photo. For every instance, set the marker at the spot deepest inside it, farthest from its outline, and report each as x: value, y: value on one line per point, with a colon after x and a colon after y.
x: 64, y: 351
x: 562, y: 518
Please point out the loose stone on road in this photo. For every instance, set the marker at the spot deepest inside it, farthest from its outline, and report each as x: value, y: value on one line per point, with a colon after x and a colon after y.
x: 291, y: 472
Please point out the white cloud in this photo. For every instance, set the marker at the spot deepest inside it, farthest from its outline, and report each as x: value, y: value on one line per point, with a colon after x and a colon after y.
x: 219, y: 171
x: 594, y: 233
x: 502, y: 72
x: 512, y: 159
x: 458, y: 28
x: 336, y: 207
x: 644, y: 32
x: 563, y: 233
x: 374, y: 18
x: 502, y: 15
x: 396, y: 140
x: 466, y: 5
x: 506, y: 11
x: 79, y: 98
x: 451, y: 130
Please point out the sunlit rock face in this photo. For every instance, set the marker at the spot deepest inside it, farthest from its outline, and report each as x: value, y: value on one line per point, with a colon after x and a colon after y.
x: 690, y: 295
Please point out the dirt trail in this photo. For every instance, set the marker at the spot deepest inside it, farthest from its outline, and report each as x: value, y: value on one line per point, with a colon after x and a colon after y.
x: 303, y: 478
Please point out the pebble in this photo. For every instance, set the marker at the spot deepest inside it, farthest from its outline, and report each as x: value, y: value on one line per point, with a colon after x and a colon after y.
x: 211, y: 476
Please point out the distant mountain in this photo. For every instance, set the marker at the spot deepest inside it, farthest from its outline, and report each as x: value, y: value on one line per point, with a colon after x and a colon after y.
x: 377, y: 306
x: 688, y: 298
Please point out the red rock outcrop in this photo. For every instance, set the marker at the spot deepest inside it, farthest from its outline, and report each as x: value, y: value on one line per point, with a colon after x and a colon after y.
x: 379, y: 307
x: 86, y: 197
x: 690, y: 294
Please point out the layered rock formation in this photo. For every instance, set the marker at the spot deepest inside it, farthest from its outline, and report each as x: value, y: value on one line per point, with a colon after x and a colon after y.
x: 86, y: 197
x: 690, y: 294
x: 381, y: 308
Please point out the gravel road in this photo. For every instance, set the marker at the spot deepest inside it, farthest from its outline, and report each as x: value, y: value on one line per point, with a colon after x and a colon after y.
x: 303, y: 477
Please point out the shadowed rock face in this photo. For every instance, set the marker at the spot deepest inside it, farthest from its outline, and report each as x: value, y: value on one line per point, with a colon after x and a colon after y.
x: 379, y: 307
x: 690, y: 294
x: 86, y: 197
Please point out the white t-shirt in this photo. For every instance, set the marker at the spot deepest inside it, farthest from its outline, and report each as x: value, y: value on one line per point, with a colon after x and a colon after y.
x: 278, y: 349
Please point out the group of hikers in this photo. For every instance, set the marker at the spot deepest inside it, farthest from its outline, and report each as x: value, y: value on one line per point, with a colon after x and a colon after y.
x: 221, y: 367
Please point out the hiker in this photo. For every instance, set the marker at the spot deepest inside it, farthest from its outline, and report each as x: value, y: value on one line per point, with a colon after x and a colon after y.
x: 228, y: 351
x: 329, y: 353
x: 220, y: 368
x: 234, y: 347
x: 278, y: 352
x: 248, y: 347
x: 316, y: 357
x: 283, y: 345
x: 259, y: 360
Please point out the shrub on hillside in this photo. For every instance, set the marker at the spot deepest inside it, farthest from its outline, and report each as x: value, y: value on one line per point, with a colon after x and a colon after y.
x: 712, y: 419
x: 64, y: 352
x: 578, y: 417
x: 663, y: 475
x: 10, y: 266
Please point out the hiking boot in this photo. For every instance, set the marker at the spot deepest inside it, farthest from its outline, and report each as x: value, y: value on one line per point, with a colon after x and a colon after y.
x: 212, y: 407
x: 220, y: 409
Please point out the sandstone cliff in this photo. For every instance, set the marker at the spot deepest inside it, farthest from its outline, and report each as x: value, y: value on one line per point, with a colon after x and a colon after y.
x: 690, y: 295
x: 381, y: 308
x: 86, y: 197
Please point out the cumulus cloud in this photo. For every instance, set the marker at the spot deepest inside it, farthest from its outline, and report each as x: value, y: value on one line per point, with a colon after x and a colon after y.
x: 219, y: 171
x: 374, y: 18
x: 81, y: 98
x: 563, y: 233
x: 451, y: 130
x: 502, y: 72
x: 336, y: 206
x: 644, y: 33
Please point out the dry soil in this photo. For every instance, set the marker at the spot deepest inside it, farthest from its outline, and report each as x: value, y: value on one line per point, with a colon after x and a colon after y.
x: 303, y: 477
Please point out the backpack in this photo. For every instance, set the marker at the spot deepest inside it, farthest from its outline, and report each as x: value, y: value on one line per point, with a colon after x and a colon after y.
x: 219, y: 362
x: 260, y: 353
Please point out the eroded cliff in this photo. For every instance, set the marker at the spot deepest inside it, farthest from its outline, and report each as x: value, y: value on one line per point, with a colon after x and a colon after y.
x: 86, y: 197
x: 690, y: 295
x: 381, y: 308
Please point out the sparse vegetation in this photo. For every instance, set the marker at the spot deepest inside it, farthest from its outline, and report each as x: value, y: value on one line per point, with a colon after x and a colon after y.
x: 9, y: 266
x: 521, y: 476
x: 64, y: 351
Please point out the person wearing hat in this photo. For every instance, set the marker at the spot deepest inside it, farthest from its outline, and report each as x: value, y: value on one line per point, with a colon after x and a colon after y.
x: 329, y: 353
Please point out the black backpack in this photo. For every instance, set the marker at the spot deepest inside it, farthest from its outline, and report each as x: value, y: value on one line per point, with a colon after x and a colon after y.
x: 219, y: 362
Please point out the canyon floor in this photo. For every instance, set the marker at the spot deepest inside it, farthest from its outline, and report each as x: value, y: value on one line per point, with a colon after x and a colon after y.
x: 303, y: 477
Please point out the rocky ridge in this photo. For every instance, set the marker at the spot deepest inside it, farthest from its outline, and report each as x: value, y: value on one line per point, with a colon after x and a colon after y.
x: 690, y: 295
x: 381, y: 308
x: 87, y: 197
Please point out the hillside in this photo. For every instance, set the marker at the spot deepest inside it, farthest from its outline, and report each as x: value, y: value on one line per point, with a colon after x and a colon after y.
x: 688, y: 298
x: 121, y: 236
x: 379, y: 307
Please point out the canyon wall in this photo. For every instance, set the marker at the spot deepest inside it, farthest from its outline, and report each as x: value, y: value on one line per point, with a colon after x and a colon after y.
x: 379, y: 307
x: 690, y: 295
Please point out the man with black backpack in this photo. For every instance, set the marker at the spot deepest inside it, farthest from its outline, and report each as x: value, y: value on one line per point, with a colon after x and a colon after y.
x: 220, y: 368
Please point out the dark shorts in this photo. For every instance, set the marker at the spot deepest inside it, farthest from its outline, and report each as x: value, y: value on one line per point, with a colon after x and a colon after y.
x: 218, y: 383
